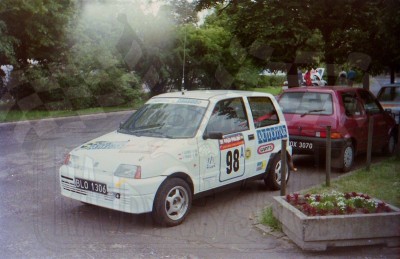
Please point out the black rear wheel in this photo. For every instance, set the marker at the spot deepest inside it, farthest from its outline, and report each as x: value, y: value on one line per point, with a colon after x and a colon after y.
x: 390, y: 147
x: 274, y: 176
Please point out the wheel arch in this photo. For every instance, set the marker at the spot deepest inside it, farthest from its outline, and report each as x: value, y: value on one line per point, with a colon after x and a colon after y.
x: 184, y: 177
x: 270, y: 161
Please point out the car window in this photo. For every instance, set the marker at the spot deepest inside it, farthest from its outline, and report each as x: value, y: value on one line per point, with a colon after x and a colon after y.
x: 263, y: 111
x: 307, y: 103
x: 171, y: 120
x: 351, y: 105
x: 389, y: 94
x: 228, y: 116
x: 370, y: 103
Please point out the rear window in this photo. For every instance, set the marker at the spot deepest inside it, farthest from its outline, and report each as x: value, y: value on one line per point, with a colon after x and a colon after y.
x: 307, y: 103
x: 389, y: 94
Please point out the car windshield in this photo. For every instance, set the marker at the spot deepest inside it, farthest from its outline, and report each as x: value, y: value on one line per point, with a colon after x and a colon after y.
x: 165, y: 120
x: 306, y: 103
x: 389, y: 94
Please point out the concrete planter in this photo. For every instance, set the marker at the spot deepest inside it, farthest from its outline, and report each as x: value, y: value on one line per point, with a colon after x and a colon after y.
x: 319, y: 232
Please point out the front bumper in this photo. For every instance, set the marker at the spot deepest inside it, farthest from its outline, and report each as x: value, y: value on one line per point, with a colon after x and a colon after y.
x: 123, y: 194
x: 314, y: 145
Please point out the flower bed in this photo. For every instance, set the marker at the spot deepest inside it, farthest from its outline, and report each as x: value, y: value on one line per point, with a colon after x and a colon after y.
x: 336, y: 203
x: 315, y: 222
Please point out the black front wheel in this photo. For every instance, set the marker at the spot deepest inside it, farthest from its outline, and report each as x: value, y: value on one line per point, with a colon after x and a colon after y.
x: 172, y: 202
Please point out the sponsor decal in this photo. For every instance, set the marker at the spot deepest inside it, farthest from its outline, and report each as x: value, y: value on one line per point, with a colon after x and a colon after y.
x: 187, y: 155
x: 248, y: 153
x: 261, y: 165
x: 263, y: 149
x: 189, y: 101
x: 271, y: 134
x: 231, y: 141
x: 210, y: 162
x: 103, y: 145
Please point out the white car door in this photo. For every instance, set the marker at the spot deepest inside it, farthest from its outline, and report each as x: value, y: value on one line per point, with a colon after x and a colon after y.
x: 223, y: 160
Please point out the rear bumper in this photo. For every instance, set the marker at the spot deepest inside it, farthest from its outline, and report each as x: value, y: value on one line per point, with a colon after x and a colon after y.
x: 313, y: 145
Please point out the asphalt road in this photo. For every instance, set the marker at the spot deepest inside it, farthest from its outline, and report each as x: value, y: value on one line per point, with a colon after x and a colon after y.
x: 37, y: 222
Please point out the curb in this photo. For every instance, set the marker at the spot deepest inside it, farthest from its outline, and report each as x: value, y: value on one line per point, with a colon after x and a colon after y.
x: 86, y: 116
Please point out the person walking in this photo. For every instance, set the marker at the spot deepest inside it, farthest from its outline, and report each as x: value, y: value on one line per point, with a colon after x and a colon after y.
x: 307, y: 77
x: 351, y: 76
x: 342, y: 77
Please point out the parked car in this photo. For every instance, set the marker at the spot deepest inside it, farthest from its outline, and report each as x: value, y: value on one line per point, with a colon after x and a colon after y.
x: 316, y: 79
x: 308, y: 112
x: 389, y: 97
x: 176, y: 147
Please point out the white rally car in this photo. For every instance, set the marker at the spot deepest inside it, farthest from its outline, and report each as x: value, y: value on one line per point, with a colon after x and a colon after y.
x: 176, y: 147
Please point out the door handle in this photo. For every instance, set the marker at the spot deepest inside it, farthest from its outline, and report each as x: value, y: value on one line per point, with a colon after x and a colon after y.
x: 251, y: 137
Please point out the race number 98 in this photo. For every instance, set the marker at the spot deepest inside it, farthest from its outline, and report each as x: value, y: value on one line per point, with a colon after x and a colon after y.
x: 232, y: 161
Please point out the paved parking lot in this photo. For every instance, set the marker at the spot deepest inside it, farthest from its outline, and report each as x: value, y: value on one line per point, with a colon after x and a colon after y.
x: 36, y: 222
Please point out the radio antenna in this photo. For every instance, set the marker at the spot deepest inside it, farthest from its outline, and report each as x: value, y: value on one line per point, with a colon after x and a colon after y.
x: 184, y: 61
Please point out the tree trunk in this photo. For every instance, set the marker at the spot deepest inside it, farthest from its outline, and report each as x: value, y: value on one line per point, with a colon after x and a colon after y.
x: 392, y: 74
x: 292, y: 75
x: 365, y: 80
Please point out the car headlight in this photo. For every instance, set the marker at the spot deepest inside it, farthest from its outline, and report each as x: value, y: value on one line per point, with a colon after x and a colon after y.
x: 129, y: 171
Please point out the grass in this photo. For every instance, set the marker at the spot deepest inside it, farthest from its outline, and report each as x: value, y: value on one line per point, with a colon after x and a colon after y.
x: 270, y: 89
x: 13, y: 115
x: 7, y: 115
x: 268, y: 219
x: 381, y: 182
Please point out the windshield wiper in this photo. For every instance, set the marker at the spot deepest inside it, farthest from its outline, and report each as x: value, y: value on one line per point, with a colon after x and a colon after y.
x: 312, y: 111
x: 151, y: 127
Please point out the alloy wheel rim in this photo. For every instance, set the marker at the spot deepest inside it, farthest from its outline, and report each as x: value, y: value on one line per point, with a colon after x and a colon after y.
x: 176, y: 203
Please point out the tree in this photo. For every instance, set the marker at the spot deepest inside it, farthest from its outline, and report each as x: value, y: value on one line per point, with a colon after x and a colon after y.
x: 387, y: 38
x: 283, y: 31
x: 34, y: 30
x: 271, y: 34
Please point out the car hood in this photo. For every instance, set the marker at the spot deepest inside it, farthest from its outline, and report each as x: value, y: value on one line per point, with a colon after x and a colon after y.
x: 107, y: 152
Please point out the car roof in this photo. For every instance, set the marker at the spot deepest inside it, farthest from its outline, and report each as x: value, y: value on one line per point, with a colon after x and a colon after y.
x: 391, y: 85
x: 212, y: 94
x: 323, y: 89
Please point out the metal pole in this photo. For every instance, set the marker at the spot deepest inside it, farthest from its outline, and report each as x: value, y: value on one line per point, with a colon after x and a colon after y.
x: 283, y: 167
x: 370, y: 134
x: 328, y: 155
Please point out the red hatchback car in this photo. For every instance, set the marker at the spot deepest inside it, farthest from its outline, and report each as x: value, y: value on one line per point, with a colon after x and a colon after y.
x: 308, y: 110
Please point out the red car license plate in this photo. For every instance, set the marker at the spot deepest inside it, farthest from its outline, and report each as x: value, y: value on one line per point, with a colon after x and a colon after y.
x: 301, y: 145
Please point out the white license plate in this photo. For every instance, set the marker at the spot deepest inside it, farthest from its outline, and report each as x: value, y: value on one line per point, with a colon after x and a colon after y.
x: 91, y: 186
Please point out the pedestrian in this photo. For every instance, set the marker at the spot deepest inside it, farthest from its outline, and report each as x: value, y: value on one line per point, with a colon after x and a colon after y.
x: 300, y: 77
x: 351, y: 76
x: 307, y: 77
x: 342, y: 77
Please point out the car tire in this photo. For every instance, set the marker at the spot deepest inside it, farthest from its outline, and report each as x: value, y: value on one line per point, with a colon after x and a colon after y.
x: 172, y: 202
x: 347, y: 157
x: 390, y: 147
x: 273, y: 177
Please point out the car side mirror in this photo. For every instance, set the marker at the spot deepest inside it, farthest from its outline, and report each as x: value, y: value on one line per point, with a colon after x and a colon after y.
x: 213, y: 135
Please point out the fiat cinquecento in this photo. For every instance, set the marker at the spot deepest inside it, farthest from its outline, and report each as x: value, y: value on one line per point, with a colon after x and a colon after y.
x: 177, y: 147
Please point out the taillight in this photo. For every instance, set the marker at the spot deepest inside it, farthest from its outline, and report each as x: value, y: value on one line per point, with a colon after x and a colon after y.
x: 334, y: 135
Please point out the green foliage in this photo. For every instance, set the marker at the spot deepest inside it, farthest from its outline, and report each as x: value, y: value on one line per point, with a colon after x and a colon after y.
x: 272, y: 80
x: 34, y: 29
x: 267, y: 218
x: 380, y: 182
